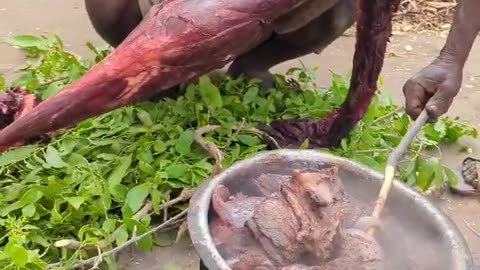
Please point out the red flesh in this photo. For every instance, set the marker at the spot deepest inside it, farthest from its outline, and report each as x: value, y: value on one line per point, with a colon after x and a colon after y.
x: 182, y: 39
x: 13, y: 105
x: 178, y: 41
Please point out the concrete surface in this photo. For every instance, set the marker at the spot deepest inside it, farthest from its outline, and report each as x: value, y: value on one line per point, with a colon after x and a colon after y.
x: 408, y: 54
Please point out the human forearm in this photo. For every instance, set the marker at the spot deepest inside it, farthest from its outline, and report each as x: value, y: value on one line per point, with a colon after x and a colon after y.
x: 465, y: 27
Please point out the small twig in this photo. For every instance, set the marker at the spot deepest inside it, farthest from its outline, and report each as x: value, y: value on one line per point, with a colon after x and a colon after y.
x: 388, y: 115
x: 214, y: 151
x: 240, y: 127
x: 132, y: 240
x: 185, y: 195
x: 47, y: 83
x: 165, y: 214
x: 211, y: 148
x: 263, y: 134
x: 182, y: 230
x: 471, y: 228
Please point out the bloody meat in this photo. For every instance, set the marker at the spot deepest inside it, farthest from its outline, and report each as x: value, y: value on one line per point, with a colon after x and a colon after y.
x: 374, y: 27
x: 183, y: 39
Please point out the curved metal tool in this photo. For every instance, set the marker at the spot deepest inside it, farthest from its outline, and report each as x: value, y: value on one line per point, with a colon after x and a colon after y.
x: 392, y: 164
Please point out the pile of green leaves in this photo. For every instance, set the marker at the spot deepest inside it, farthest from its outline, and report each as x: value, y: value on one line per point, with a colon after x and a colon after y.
x: 91, y: 180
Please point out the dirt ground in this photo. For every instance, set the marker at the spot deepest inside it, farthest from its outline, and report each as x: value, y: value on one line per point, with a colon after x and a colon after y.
x: 409, y: 53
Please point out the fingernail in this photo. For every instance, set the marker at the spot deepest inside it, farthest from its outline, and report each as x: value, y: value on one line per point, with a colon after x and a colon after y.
x: 433, y: 109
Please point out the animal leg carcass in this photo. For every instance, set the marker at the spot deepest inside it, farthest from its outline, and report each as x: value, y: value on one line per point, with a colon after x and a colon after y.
x: 374, y: 24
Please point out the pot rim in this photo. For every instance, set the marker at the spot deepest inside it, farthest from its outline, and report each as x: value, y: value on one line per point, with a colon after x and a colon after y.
x: 200, y: 204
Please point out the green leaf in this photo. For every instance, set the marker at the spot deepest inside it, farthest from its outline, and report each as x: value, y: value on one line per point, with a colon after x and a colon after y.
x: 75, y: 202
x: 19, y: 255
x: 119, y: 172
x: 440, y: 127
x: 157, y: 197
x: 366, y: 159
x: 177, y: 171
x: 3, y: 83
x: 119, y: 192
x: 16, y: 155
x: 305, y: 144
x: 451, y: 177
x: 31, y: 196
x: 159, y: 147
x: 36, y: 238
x: 144, y: 118
x: 249, y: 140
x: 52, y: 90
x: 204, y: 165
x: 53, y: 158
x: 25, y: 41
x: 425, y: 173
x: 438, y: 173
x: 121, y: 235
x: 77, y: 160
x: 109, y: 225
x: 209, y: 92
x: 145, y: 243
x: 146, y: 168
x: 136, y: 196
x: 29, y: 210
x: 185, y: 142
x: 250, y: 95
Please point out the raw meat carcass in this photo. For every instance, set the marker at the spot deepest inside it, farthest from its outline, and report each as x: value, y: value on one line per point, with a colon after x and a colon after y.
x: 180, y: 40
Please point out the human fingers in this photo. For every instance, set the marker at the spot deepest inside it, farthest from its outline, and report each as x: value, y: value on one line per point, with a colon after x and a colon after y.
x: 440, y: 101
x: 415, y: 98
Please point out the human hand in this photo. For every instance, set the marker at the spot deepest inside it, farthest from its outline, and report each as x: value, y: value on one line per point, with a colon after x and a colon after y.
x: 433, y: 88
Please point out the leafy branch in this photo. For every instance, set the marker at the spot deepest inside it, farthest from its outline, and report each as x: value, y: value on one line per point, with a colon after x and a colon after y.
x: 97, y: 259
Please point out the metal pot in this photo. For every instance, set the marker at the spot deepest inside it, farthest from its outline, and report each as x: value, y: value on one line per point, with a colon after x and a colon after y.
x: 417, y: 235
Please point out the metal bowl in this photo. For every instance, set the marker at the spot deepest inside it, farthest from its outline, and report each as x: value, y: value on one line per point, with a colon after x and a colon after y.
x: 417, y: 235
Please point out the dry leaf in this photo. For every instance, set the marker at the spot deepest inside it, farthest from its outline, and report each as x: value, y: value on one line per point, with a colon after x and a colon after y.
x: 425, y: 16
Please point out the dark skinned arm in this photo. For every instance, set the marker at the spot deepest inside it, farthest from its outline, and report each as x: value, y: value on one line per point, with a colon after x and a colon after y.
x: 465, y: 28
x: 436, y: 85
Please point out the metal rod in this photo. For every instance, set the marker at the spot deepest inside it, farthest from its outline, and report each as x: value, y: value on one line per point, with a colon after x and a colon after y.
x: 392, y: 163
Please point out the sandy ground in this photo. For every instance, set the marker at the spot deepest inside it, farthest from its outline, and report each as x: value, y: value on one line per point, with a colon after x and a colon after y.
x: 69, y: 20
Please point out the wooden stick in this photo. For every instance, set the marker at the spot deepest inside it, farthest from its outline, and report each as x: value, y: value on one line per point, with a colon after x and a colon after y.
x: 392, y: 164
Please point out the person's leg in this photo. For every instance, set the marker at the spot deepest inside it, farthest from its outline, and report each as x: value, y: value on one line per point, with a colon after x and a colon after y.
x: 314, y: 37
x: 113, y: 20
